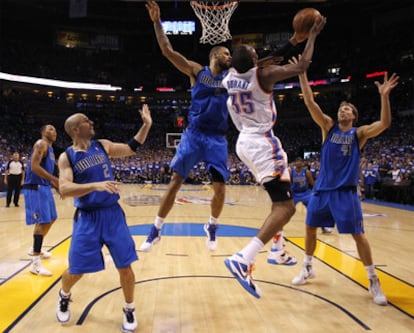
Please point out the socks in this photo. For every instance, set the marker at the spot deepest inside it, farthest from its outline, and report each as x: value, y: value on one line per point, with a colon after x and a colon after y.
x: 252, y: 249
x: 277, y: 244
x: 307, y: 260
x: 371, y: 271
x: 213, y: 220
x: 63, y: 294
x: 159, y: 221
x: 129, y: 306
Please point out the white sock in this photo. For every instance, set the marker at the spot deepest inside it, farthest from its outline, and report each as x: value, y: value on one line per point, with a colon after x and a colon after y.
x: 129, y: 306
x: 213, y: 220
x: 36, y: 260
x: 277, y: 243
x: 252, y: 249
x: 308, y: 259
x: 62, y: 293
x: 159, y: 221
x: 371, y: 271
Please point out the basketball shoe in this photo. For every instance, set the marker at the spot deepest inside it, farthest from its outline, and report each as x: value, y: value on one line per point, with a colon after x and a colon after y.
x: 62, y: 310
x: 242, y: 271
x: 211, y: 241
x: 376, y: 292
x: 306, y: 273
x: 43, y: 254
x: 130, y: 323
x: 281, y: 257
x: 153, y: 238
x: 38, y: 269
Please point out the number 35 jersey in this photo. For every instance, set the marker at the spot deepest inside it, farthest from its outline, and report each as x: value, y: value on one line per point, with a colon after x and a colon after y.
x: 251, y: 108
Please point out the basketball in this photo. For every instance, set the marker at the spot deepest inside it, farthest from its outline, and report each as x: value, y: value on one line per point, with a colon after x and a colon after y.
x: 304, y: 20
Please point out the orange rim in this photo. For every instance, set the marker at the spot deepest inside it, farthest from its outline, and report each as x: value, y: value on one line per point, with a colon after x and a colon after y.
x: 224, y: 6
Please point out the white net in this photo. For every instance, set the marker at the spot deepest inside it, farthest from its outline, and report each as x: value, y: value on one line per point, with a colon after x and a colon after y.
x: 214, y: 17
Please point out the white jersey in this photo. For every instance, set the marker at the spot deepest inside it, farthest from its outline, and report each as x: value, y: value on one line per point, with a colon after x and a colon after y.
x: 252, y: 109
x: 253, y: 112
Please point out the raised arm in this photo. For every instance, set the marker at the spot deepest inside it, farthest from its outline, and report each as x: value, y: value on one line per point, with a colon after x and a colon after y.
x: 128, y: 149
x: 369, y: 131
x: 190, y: 68
x: 324, y: 122
x: 269, y: 75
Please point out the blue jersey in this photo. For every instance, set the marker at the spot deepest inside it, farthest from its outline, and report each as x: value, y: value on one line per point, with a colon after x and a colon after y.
x: 340, y: 157
x: 47, y: 163
x: 299, y: 181
x: 88, y: 167
x: 208, y: 110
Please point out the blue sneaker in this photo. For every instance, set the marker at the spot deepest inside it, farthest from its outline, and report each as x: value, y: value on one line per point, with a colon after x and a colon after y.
x: 211, y: 241
x: 153, y: 238
x: 242, y: 270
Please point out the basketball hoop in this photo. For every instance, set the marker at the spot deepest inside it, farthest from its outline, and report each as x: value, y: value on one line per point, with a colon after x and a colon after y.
x: 214, y: 17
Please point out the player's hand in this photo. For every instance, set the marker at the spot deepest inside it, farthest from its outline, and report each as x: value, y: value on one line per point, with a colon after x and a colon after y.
x: 146, y: 115
x: 109, y: 186
x: 385, y: 88
x: 153, y: 11
x: 317, y: 27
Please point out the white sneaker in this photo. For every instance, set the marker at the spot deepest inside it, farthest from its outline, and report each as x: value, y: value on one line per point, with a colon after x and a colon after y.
x: 326, y: 230
x: 62, y: 310
x: 43, y: 254
x: 38, y: 269
x: 153, y: 238
x: 130, y: 323
x: 281, y: 257
x: 376, y: 292
x: 306, y: 273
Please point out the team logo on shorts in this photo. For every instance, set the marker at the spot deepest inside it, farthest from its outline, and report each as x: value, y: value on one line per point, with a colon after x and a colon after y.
x: 35, y: 216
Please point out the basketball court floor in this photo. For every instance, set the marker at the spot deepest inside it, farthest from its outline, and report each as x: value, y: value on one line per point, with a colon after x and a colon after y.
x: 183, y: 287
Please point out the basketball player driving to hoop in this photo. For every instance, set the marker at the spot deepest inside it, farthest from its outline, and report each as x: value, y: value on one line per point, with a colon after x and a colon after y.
x: 204, y: 139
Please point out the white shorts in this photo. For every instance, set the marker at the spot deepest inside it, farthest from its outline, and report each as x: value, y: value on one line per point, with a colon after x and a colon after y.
x: 264, y: 156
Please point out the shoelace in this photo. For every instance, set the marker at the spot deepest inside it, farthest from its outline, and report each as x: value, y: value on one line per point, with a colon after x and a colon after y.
x: 129, y: 315
x: 64, y: 304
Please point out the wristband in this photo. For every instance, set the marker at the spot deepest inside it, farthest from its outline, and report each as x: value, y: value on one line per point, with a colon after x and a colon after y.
x: 133, y: 144
x: 283, y: 50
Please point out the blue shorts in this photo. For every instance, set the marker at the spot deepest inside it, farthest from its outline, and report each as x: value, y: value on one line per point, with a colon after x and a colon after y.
x: 341, y: 207
x: 93, y: 229
x: 302, y: 197
x: 40, y: 205
x: 198, y: 147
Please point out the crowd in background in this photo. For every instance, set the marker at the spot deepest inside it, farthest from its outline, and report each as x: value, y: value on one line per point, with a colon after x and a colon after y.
x: 391, y: 155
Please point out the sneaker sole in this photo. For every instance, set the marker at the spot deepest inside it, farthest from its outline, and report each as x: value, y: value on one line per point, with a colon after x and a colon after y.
x: 149, y: 248
x: 288, y: 263
x: 243, y: 283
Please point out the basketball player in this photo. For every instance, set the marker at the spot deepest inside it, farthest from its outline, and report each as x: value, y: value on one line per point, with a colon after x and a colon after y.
x: 86, y: 174
x: 253, y: 112
x: 204, y: 139
x: 14, y: 179
x: 302, y: 183
x: 38, y: 196
x: 335, y: 198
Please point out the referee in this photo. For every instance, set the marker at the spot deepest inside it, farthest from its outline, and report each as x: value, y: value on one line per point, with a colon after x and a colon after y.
x: 14, y: 178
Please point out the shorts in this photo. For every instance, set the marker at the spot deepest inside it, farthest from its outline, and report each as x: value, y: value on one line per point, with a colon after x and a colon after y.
x: 40, y: 204
x: 302, y: 197
x: 264, y: 156
x: 195, y: 147
x: 93, y: 229
x: 342, y: 207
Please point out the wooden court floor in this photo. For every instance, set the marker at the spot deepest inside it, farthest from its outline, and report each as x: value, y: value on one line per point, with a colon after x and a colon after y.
x: 182, y: 287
